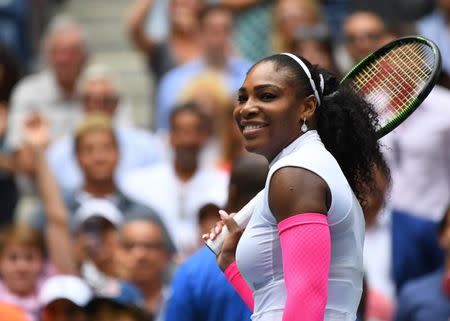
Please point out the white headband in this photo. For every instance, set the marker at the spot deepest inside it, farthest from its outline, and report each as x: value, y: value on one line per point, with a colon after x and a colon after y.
x: 308, y: 73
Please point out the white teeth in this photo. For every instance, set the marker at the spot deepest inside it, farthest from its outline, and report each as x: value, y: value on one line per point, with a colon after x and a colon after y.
x: 253, y: 126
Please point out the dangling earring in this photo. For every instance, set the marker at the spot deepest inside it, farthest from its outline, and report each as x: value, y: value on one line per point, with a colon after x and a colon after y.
x: 304, y: 128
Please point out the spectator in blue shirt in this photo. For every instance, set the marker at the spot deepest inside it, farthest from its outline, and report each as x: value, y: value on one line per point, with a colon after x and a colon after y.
x: 428, y: 298
x: 216, y: 25
x: 200, y: 291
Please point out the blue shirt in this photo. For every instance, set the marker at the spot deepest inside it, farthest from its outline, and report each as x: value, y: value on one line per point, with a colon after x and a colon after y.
x: 424, y: 300
x: 137, y: 148
x: 200, y: 292
x: 175, y: 81
x: 435, y: 28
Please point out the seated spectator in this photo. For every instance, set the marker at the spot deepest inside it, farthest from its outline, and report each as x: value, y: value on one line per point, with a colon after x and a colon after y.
x: 314, y: 43
x: 253, y: 21
x: 216, y: 24
x: 52, y: 93
x: 290, y: 17
x: 21, y: 267
x: 434, y: 27
x: 178, y: 189
x: 364, y: 32
x: 146, y: 253
x: 200, y: 291
x: 97, y: 153
x: 428, y: 298
x: 64, y: 298
x: 225, y: 142
x: 398, y: 247
x: 96, y: 239
x: 417, y: 155
x: 138, y: 148
x: 9, y: 76
x: 182, y: 44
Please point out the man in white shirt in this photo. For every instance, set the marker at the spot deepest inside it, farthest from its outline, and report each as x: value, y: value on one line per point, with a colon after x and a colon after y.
x: 52, y: 93
x: 178, y: 189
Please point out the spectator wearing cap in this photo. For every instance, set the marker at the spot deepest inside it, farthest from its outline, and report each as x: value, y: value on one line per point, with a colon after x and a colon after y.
x: 216, y: 25
x: 199, y: 289
x: 418, y: 155
x: 177, y: 190
x: 64, y: 298
x: 146, y: 252
x: 101, y: 94
x: 428, y: 298
x: 92, y: 250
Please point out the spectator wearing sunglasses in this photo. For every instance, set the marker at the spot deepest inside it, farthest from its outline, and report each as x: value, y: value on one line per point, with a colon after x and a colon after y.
x: 138, y: 148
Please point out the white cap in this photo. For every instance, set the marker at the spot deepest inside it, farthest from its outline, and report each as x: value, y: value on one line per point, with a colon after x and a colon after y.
x: 98, y: 208
x: 67, y: 287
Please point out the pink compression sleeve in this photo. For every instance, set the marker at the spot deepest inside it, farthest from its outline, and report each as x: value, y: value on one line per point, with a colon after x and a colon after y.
x: 306, y: 251
x: 239, y: 284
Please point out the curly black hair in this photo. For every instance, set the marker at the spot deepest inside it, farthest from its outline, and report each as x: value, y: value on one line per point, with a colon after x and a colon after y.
x: 346, y: 123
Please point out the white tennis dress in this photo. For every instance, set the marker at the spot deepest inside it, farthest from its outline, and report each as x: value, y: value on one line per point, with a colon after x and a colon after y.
x: 258, y: 254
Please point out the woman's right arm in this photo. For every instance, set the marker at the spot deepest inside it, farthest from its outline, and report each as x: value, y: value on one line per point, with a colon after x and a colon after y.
x: 136, y: 26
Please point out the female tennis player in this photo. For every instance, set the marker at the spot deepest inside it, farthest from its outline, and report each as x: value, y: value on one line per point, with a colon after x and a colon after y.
x: 300, y: 256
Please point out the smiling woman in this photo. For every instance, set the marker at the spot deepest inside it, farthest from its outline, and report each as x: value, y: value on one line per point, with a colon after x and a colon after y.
x: 301, y: 253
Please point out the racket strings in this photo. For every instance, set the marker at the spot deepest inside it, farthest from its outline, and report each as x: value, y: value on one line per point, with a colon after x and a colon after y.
x: 394, y: 80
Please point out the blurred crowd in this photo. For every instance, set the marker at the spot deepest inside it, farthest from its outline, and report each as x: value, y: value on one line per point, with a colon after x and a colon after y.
x: 101, y: 220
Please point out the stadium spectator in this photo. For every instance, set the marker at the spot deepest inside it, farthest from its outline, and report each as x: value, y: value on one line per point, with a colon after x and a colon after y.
x: 146, y: 254
x: 428, y: 298
x: 64, y: 298
x: 398, y: 247
x: 434, y: 27
x: 101, y: 93
x: 224, y: 144
x: 253, y: 21
x: 182, y: 44
x: 290, y: 17
x: 199, y: 290
x: 418, y: 155
x: 364, y: 32
x: 52, y: 93
x: 21, y: 267
x: 177, y: 190
x: 314, y: 43
x: 216, y: 24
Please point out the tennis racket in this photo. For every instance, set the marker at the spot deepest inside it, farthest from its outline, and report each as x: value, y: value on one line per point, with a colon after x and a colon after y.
x: 395, y: 79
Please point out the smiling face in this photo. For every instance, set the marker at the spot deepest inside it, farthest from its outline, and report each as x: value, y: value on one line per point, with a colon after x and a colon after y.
x: 270, y: 110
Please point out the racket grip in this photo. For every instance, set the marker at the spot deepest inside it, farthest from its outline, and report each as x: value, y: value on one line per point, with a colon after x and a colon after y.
x: 242, y: 218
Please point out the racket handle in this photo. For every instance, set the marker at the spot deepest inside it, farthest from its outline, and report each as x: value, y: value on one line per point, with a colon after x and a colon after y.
x: 242, y: 218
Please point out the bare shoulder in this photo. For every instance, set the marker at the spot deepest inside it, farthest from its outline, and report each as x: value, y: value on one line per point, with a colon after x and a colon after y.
x: 295, y: 190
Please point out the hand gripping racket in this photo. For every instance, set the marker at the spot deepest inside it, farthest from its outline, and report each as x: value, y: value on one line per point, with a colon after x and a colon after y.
x: 395, y: 79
